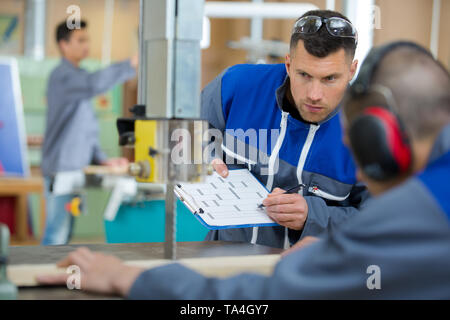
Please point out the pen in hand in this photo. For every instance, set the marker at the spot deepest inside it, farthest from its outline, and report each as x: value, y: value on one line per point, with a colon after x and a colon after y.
x: 289, y: 191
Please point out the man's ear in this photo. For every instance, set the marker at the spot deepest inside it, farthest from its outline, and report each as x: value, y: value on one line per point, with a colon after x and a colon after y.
x: 287, y: 62
x: 353, y: 68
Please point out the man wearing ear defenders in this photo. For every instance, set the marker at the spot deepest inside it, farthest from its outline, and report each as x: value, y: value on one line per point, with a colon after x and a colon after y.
x: 281, y: 121
x: 397, y: 124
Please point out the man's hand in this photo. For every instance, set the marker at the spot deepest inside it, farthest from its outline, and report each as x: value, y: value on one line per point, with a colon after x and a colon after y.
x: 306, y: 241
x: 220, y: 167
x: 288, y: 210
x: 116, y: 165
x: 99, y: 273
x: 116, y: 162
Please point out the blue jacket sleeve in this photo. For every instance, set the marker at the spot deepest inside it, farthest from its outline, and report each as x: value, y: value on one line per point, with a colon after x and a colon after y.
x: 192, y: 285
x: 323, y: 218
x: 211, y: 103
x: 212, y: 111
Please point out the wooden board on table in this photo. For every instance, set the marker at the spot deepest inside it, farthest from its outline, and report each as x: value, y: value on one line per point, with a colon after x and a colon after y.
x: 106, y: 170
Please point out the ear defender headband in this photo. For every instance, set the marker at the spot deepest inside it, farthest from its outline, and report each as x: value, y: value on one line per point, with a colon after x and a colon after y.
x: 377, y: 136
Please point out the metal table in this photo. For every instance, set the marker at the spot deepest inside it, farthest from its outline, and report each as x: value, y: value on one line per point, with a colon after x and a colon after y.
x: 135, y: 251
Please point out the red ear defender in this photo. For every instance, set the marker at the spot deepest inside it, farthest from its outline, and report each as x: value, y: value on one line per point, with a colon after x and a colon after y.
x: 396, y: 139
x: 379, y: 143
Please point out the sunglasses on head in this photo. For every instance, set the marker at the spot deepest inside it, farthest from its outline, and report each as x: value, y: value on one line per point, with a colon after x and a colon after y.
x: 336, y: 26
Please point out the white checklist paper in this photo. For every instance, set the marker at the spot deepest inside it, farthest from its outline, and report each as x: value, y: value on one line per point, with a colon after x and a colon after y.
x: 230, y: 202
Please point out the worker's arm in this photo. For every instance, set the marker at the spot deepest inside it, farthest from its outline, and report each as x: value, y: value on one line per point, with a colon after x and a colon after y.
x: 311, y: 215
x: 301, y: 244
x: 99, y: 272
x: 211, y: 104
x: 79, y: 86
x: 396, y: 249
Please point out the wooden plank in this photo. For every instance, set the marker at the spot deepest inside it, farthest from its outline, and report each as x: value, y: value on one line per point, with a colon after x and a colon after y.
x: 20, y: 188
x: 13, y: 186
x: 43, y: 215
x: 22, y: 217
x: 106, y: 170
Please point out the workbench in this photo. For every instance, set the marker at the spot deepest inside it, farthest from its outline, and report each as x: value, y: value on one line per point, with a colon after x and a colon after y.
x: 136, y: 251
x: 20, y: 188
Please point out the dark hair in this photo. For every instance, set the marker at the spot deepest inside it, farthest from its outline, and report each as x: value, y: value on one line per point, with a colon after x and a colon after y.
x: 321, y: 43
x: 63, y: 32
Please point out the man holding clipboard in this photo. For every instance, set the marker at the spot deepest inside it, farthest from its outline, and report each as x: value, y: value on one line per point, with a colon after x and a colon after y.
x: 290, y: 114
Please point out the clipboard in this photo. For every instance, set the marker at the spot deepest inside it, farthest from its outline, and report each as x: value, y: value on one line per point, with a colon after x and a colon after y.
x: 224, y: 203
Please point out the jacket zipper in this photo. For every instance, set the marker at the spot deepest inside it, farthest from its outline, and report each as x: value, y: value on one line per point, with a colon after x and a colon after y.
x: 276, y: 150
x: 305, y: 150
x: 272, y: 159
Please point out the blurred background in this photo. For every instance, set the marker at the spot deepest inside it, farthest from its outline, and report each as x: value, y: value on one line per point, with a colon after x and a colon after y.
x: 27, y: 32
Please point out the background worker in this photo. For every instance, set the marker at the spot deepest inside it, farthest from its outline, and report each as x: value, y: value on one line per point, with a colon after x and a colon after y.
x: 71, y: 139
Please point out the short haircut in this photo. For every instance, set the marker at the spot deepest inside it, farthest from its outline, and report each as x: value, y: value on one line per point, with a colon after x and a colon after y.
x: 421, y: 87
x: 321, y: 43
x: 63, y: 32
